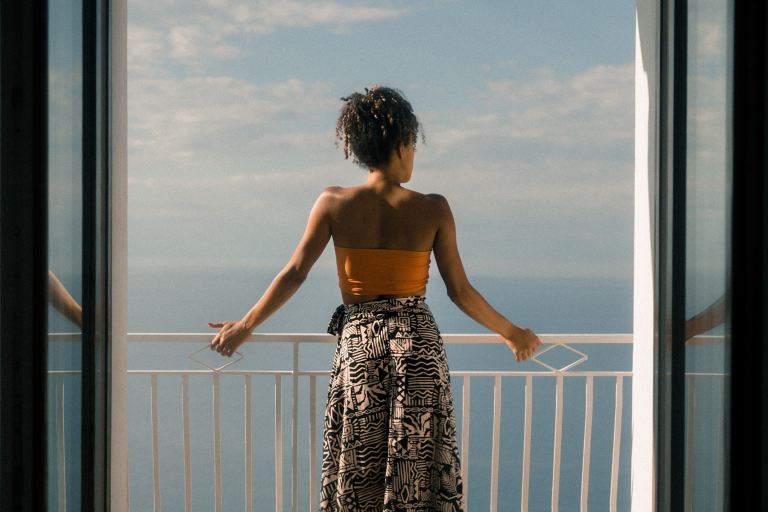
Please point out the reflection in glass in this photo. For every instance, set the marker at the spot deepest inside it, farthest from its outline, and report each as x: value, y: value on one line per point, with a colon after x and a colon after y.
x: 63, y: 302
x: 65, y: 248
x: 707, y: 240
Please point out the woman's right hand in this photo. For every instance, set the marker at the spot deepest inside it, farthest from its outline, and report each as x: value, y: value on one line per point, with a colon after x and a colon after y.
x: 522, y: 341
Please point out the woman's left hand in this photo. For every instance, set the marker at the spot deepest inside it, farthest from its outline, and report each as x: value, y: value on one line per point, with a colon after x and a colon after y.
x: 231, y: 336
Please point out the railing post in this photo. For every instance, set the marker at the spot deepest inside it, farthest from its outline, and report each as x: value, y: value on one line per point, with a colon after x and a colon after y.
x: 312, y: 444
x: 616, y: 441
x: 295, y: 431
x: 690, y: 432
x: 587, y: 451
x: 248, y: 446
x: 155, y: 442
x: 61, y: 452
x: 278, y: 444
x: 186, y: 442
x: 557, y: 442
x: 527, y: 442
x: 216, y: 442
x: 465, y: 400
x: 495, y: 442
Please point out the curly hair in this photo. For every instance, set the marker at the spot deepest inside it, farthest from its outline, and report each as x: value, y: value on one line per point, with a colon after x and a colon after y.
x: 371, y: 125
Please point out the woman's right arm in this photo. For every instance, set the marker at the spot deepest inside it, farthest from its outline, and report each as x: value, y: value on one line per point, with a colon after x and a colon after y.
x: 522, y: 341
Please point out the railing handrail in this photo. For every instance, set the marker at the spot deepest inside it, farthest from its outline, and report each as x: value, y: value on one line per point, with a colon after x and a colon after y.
x: 450, y: 338
x: 303, y: 337
x: 313, y: 337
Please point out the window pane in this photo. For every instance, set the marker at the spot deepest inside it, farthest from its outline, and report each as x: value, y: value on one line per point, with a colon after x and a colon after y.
x: 65, y: 225
x: 708, y: 170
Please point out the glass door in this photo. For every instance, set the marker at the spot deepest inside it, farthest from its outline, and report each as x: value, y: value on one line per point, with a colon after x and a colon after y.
x: 65, y: 253
x: 694, y: 262
x: 708, y: 173
x: 54, y: 248
x: 78, y: 237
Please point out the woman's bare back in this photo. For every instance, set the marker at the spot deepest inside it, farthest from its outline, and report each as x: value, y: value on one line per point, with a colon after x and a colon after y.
x: 401, y: 219
x: 362, y: 217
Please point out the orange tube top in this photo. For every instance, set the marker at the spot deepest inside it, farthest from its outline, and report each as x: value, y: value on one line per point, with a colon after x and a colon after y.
x: 382, y: 271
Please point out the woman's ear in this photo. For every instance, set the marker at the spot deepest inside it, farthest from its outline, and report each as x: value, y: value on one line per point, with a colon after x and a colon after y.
x: 396, y: 152
x: 401, y: 150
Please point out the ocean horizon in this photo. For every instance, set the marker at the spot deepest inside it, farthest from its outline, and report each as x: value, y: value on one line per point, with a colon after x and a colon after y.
x: 170, y: 300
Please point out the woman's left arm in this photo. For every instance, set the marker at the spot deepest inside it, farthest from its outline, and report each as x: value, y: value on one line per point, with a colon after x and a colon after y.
x: 287, y: 281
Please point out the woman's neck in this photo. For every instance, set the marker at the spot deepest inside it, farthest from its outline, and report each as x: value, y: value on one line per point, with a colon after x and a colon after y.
x: 381, y: 181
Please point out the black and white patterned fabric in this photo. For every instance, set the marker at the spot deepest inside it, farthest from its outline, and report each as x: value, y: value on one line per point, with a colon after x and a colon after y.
x: 389, y: 438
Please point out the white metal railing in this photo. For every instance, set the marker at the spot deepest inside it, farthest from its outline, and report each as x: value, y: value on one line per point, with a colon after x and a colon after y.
x: 297, y: 339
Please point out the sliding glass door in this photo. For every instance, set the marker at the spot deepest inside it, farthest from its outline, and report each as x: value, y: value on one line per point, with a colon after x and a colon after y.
x: 54, y: 243
x: 708, y: 170
x: 65, y: 253
x: 694, y: 255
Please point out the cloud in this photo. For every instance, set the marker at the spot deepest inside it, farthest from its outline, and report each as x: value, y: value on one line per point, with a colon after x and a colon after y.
x: 268, y: 15
x: 194, y: 33
x: 183, y: 118
x: 147, y: 50
x: 213, y: 183
x: 195, y: 43
x: 590, y: 109
x: 708, y: 38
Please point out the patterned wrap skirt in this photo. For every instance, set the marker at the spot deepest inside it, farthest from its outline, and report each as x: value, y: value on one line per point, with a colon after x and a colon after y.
x: 389, y: 437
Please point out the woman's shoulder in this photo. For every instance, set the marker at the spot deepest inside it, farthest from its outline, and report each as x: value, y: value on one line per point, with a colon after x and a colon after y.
x: 336, y: 196
x: 354, y: 194
x: 436, y: 198
x: 439, y: 204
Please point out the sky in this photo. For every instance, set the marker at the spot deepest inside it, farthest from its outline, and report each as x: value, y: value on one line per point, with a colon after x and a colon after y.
x: 527, y: 108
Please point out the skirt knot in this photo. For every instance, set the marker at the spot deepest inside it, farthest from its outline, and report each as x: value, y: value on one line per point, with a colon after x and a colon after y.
x: 337, y: 320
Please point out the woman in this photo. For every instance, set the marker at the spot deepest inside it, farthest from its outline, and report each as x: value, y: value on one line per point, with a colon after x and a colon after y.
x: 389, y: 440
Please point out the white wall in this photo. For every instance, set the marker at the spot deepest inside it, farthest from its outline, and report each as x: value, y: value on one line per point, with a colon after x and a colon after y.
x: 118, y: 478
x: 646, y: 129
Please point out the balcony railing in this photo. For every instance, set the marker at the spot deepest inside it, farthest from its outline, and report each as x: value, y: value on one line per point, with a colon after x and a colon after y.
x: 538, y: 368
